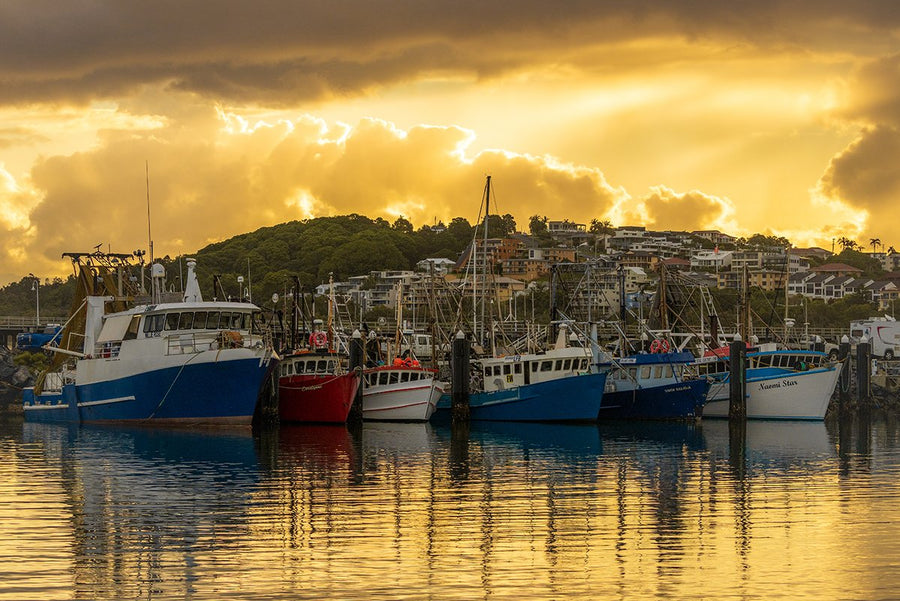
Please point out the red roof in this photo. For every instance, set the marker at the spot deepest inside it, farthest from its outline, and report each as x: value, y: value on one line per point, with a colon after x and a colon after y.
x: 832, y: 267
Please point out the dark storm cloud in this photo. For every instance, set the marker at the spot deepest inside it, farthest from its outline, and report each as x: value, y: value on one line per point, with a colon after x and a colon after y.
x: 289, y: 50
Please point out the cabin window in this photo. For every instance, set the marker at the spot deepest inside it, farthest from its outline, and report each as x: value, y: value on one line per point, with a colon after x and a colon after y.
x: 224, y: 320
x: 404, y: 377
x: 199, y: 320
x: 150, y: 323
x: 186, y: 321
x: 534, y: 366
x: 632, y: 371
x: 517, y: 368
x: 133, y: 328
x: 212, y: 320
x: 584, y: 364
x: 395, y: 377
x: 567, y: 365
x: 558, y: 364
x: 645, y: 372
x: 329, y: 367
x: 487, y: 372
x: 546, y: 365
x: 658, y: 371
x: 236, y: 321
x: 288, y: 369
x: 171, y: 321
x: 507, y: 369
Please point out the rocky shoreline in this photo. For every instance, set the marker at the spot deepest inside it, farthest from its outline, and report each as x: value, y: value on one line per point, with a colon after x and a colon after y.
x: 13, y: 378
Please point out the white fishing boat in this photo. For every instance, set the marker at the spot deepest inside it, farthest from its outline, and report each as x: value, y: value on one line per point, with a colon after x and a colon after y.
x: 401, y: 393
x: 781, y: 384
x: 186, y: 362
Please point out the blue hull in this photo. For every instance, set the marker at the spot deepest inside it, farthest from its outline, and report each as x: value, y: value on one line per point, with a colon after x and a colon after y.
x: 572, y: 399
x: 678, y: 400
x: 214, y: 393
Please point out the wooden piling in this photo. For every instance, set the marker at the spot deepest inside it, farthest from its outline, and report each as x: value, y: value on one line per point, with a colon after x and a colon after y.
x: 737, y: 379
x: 459, y: 365
x: 357, y: 361
x: 863, y: 373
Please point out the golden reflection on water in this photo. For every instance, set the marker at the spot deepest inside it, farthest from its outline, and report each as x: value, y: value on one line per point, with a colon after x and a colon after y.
x: 628, y: 511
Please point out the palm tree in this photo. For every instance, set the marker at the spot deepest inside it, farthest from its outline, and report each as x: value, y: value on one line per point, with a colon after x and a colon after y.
x: 603, y: 228
x: 891, y: 250
x: 874, y: 242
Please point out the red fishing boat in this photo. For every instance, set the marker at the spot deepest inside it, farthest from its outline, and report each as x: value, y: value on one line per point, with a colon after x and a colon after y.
x: 316, y: 386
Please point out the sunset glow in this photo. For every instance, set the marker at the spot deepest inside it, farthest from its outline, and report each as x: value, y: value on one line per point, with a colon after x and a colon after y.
x: 782, y: 118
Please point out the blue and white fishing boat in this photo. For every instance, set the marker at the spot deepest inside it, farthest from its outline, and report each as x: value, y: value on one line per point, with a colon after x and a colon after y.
x: 187, y: 362
x: 781, y: 384
x: 654, y: 386
x: 564, y: 384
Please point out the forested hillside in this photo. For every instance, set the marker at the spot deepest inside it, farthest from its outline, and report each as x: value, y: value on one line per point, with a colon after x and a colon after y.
x: 269, y: 257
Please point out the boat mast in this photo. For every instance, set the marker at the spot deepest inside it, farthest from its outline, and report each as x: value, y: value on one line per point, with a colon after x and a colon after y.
x: 330, y: 323
x: 149, y: 235
x: 746, y: 329
x: 484, y: 260
x: 398, y: 336
x: 787, y: 296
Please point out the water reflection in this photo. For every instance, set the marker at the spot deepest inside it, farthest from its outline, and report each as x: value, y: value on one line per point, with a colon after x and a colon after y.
x: 142, y: 504
x: 382, y: 511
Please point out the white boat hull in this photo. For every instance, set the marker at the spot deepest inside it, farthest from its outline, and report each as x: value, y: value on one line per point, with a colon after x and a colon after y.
x: 790, y: 395
x: 406, y: 401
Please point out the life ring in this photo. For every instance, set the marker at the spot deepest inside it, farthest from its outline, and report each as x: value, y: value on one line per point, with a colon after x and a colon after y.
x: 318, y: 339
x: 660, y: 345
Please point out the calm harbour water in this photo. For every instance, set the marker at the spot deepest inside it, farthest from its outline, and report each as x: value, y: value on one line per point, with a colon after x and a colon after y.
x: 414, y: 511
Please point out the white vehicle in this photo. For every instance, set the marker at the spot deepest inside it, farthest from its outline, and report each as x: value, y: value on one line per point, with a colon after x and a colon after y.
x: 882, y: 333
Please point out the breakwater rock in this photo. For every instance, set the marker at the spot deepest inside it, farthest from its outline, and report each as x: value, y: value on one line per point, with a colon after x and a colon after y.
x: 13, y: 378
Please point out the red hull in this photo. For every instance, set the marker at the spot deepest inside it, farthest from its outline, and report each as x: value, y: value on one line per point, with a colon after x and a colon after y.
x: 316, y: 398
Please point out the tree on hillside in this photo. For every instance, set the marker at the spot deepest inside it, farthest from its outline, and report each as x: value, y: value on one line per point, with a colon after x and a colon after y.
x: 461, y: 230
x: 874, y: 242
x: 401, y: 224
x: 500, y: 226
x: 537, y: 225
x: 869, y: 265
x: 763, y: 241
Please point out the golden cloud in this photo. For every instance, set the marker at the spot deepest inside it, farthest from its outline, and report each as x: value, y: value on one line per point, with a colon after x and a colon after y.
x: 231, y: 175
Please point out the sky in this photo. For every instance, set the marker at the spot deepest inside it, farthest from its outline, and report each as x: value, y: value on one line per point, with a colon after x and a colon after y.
x: 774, y: 117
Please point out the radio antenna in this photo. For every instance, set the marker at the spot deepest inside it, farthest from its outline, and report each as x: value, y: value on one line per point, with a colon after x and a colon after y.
x: 149, y: 236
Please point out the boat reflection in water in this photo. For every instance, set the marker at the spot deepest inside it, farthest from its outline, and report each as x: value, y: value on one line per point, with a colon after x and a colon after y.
x: 144, y: 504
x: 411, y: 510
x: 773, y: 444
